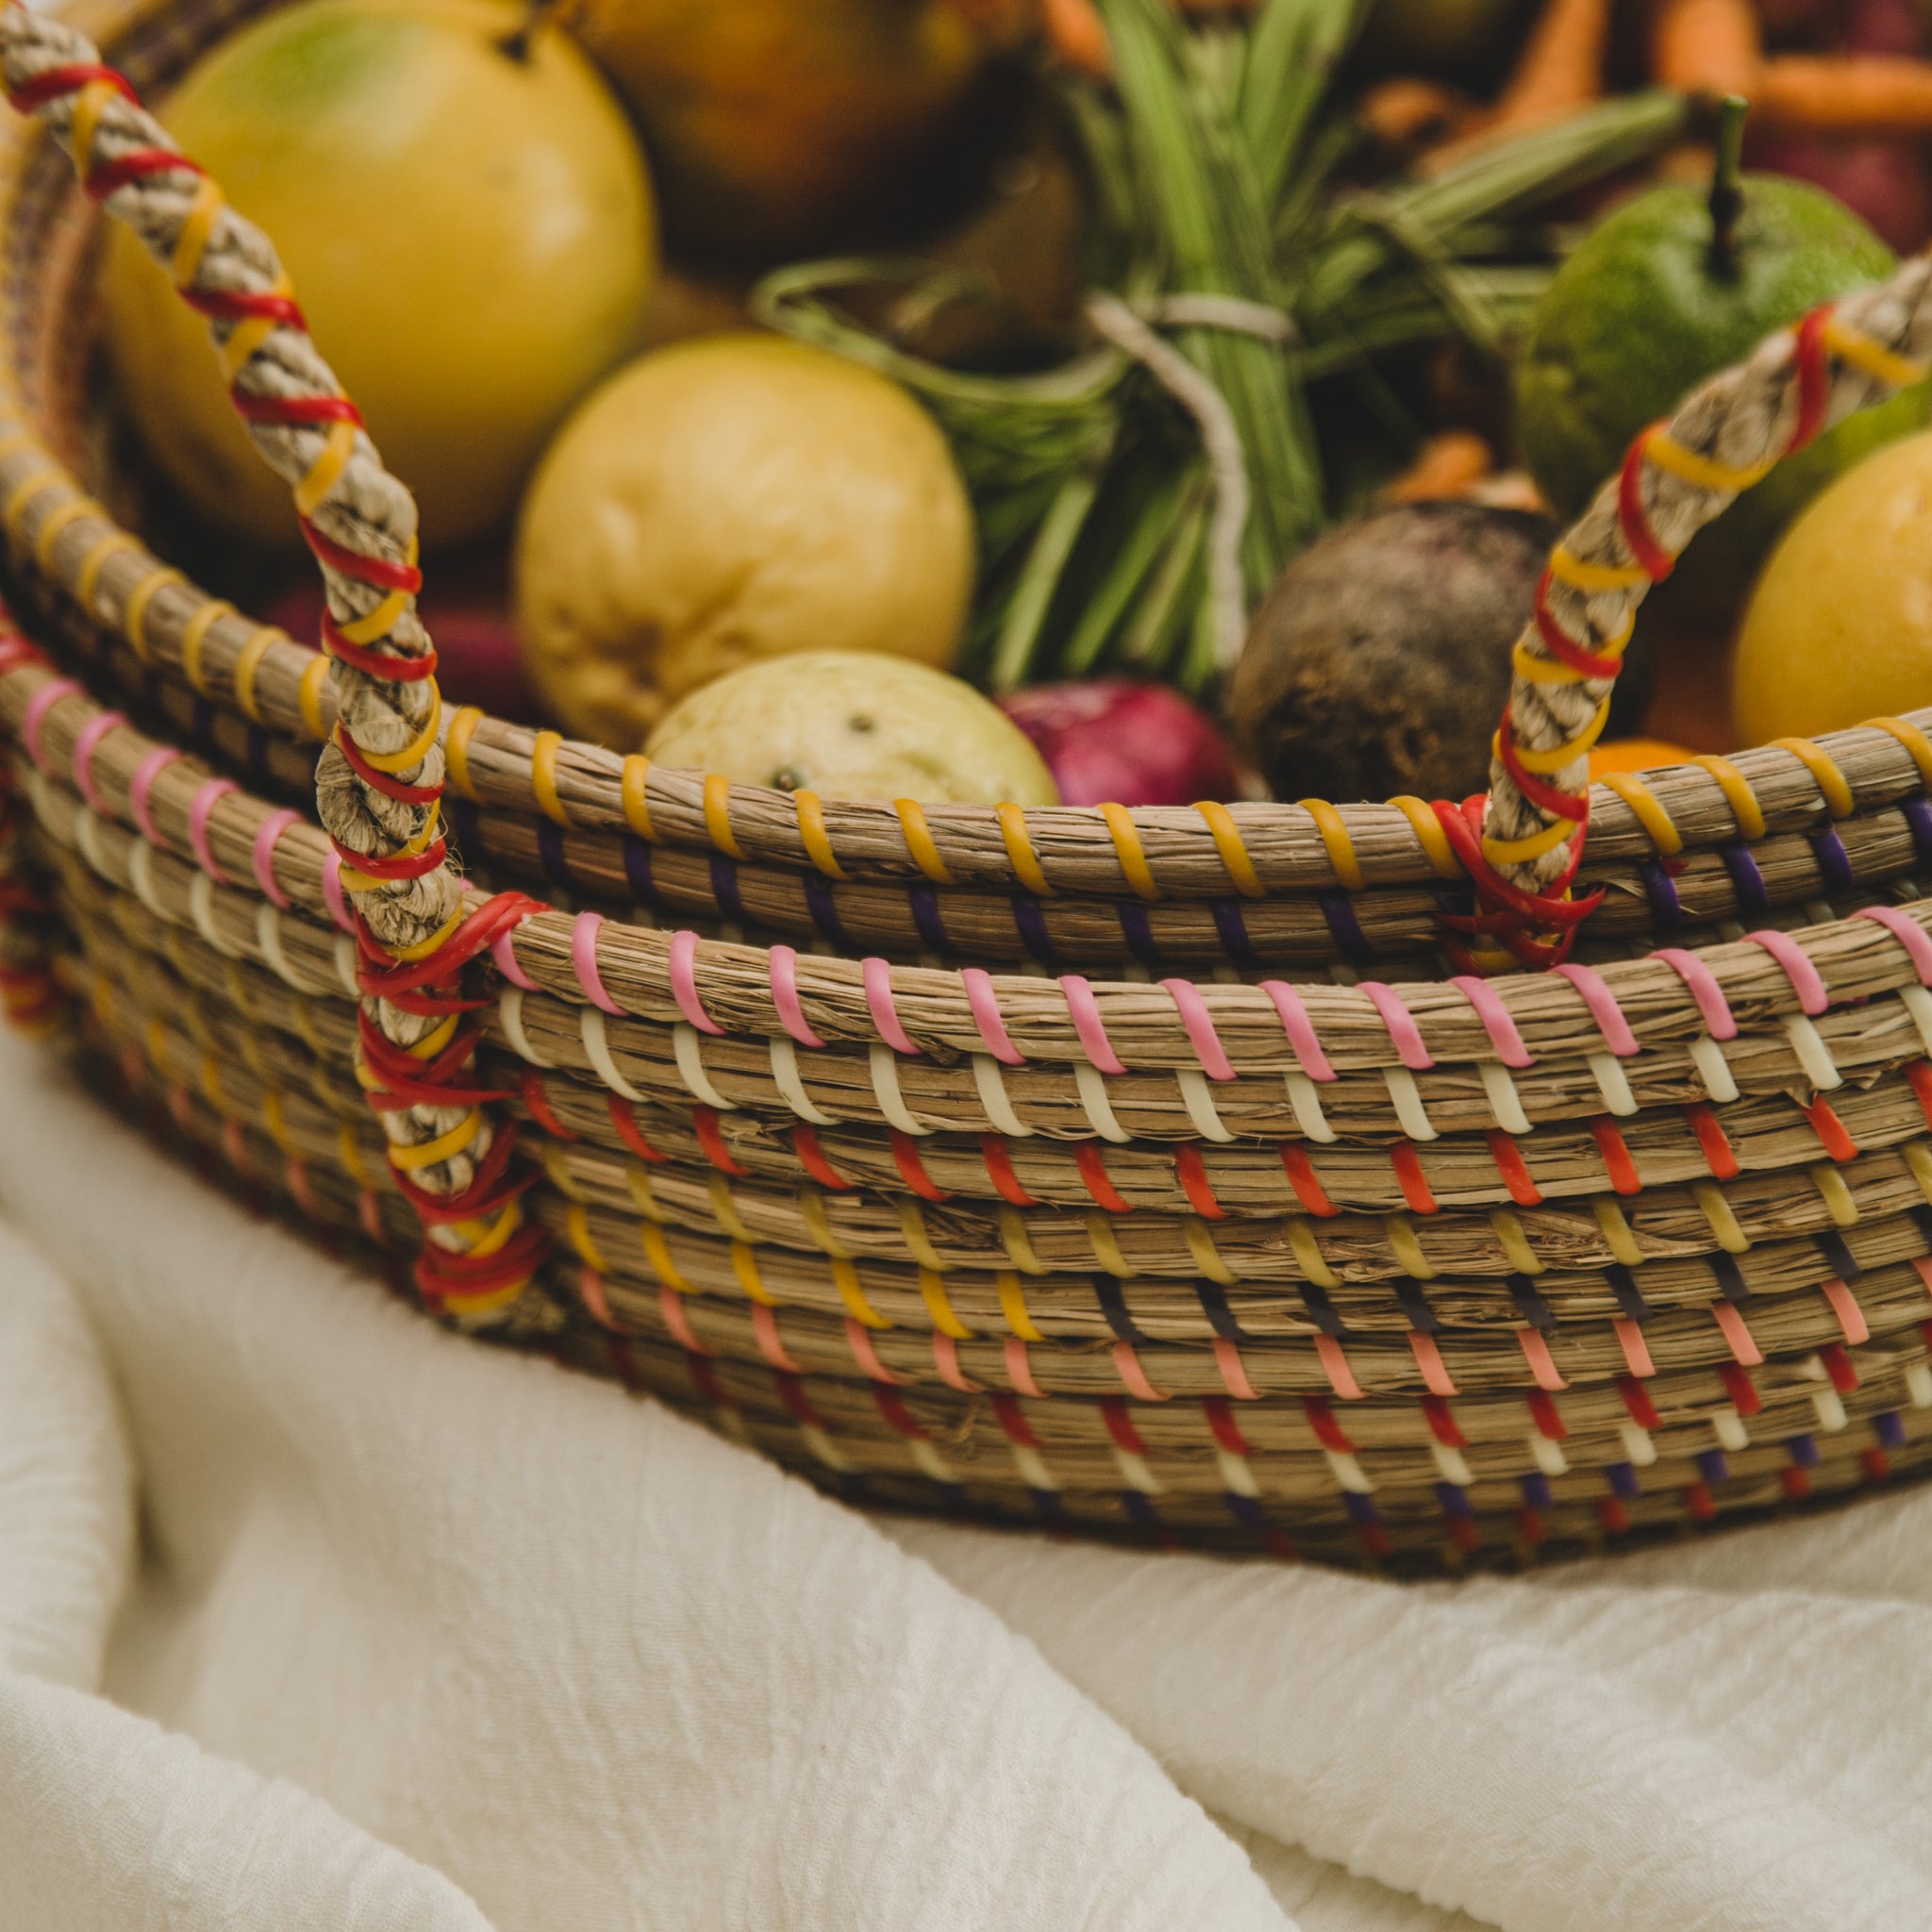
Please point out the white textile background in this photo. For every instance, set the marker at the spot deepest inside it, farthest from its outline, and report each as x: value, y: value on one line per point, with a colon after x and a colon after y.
x: 312, y: 1616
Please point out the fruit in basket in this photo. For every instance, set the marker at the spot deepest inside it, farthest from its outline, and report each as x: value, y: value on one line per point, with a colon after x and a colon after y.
x: 468, y: 228
x: 1839, y: 626
x: 736, y: 497
x: 1661, y: 295
x: 853, y: 724
x: 1379, y: 662
x: 1111, y: 741
x: 1634, y: 755
x: 786, y: 128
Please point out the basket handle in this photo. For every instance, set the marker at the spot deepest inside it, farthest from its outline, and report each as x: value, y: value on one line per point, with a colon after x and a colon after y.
x: 380, y: 781
x: 1524, y: 848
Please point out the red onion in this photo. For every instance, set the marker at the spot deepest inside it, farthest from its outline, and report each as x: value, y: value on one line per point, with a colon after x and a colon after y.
x: 1112, y: 741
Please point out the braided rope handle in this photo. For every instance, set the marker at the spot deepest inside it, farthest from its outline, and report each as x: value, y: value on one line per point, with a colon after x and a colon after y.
x: 1524, y: 848
x: 380, y: 778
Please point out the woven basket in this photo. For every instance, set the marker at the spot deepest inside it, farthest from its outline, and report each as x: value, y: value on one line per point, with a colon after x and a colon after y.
x: 1172, y: 1173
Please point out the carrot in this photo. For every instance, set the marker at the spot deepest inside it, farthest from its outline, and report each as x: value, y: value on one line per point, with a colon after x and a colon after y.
x: 1405, y: 108
x: 1074, y: 31
x: 1847, y: 94
x: 1450, y: 464
x: 1561, y: 65
x: 1706, y: 46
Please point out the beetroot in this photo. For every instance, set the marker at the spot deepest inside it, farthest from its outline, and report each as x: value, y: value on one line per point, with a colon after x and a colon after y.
x: 1112, y: 741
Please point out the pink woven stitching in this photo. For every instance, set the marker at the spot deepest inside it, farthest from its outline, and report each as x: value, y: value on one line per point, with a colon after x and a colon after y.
x: 35, y: 716
x: 1543, y: 1364
x: 1200, y: 1025
x: 1635, y: 1350
x: 1020, y: 1372
x: 143, y: 784
x: 199, y: 810
x: 1799, y: 970
x: 1709, y: 995
x: 591, y: 1292
x: 684, y: 982
x: 504, y: 952
x: 583, y: 960
x: 1302, y: 1041
x: 1401, y: 1024
x: 85, y: 741
x: 764, y: 1329
x: 1908, y: 933
x: 877, y: 976
x: 859, y: 1340
x: 671, y: 1306
x: 1084, y: 1010
x: 1604, y: 1009
x: 783, y: 966
x: 1335, y: 1366
x: 1487, y: 1005
x: 946, y: 1359
x: 261, y: 855
x: 1428, y: 1359
x: 332, y: 892
x: 1127, y: 1366
x: 987, y: 1017
x: 1234, y: 1372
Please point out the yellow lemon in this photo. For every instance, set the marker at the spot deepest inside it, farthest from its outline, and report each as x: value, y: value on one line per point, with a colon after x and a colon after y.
x: 468, y: 227
x: 735, y: 497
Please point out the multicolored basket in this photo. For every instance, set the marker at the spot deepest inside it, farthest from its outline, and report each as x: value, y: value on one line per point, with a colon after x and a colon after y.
x: 1172, y: 1174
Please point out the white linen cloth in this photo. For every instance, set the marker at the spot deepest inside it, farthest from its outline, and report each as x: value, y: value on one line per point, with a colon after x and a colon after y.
x: 313, y: 1616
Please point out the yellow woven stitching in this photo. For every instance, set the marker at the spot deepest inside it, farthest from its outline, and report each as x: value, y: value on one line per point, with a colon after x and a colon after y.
x: 1919, y: 1158
x: 811, y: 1208
x: 1127, y: 849
x: 308, y: 696
x: 576, y: 1226
x: 1013, y: 1307
x: 1518, y: 850
x: 1430, y: 835
x: 23, y: 495
x: 435, y: 1041
x: 845, y: 1278
x: 1616, y: 1233
x: 918, y: 836
x: 1407, y: 1249
x: 211, y: 1078
x: 1308, y: 1254
x: 1705, y: 473
x: 493, y: 1238
x: 636, y: 1184
x: 1723, y: 1224
x: 912, y: 1226
x: 1914, y: 741
x: 242, y: 674
x: 725, y: 1208
x: 1336, y: 841
x: 812, y: 834
x: 455, y: 750
x: 1233, y: 850
x: 1555, y: 757
x: 429, y: 1153
x: 634, y: 796
x: 89, y: 106
x: 1837, y: 1197
x: 658, y: 1253
x: 744, y: 1264
x: 1594, y: 579
x: 932, y: 1287
x: 355, y: 880
x: 718, y: 815
x: 249, y: 335
x: 1820, y: 763
x: 192, y: 239
x: 1528, y: 662
x: 1018, y: 1244
x: 1510, y: 1238
x: 1020, y: 855
x: 422, y: 948
x: 54, y: 521
x: 194, y: 634
x: 1649, y: 811
x: 87, y: 579
x: 1736, y: 788
x: 134, y: 619
x: 375, y: 624
x: 1202, y: 1251
x: 275, y: 1120
x: 326, y: 470
x: 1106, y: 1250
x: 1873, y: 359
x: 543, y: 777
x: 418, y: 747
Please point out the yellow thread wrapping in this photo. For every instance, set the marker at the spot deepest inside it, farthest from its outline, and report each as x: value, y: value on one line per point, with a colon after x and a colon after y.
x: 325, y: 472
x: 87, y: 579
x: 1738, y: 794
x: 376, y: 624
x: 744, y: 1264
x: 1336, y: 841
x: 1106, y: 1250
x: 197, y: 226
x: 134, y: 619
x: 812, y: 834
x: 1019, y: 1247
x: 1019, y: 854
x: 811, y: 1208
x: 918, y: 1242
x: 1919, y: 1158
x: 1551, y: 761
x: 1232, y: 848
x: 1510, y: 1238
x: 1594, y: 579
x: 932, y: 1289
x: 1723, y: 1224
x: 1407, y: 1249
x: 1129, y: 851
x: 1914, y: 741
x: 248, y: 664
x: 633, y: 793
x: 89, y: 106
x: 1703, y: 472
x: 718, y: 815
x: 1616, y: 1233
x: 657, y: 1253
x: 54, y: 521
x: 456, y: 751
x: 1430, y: 835
x: 1518, y: 850
x: 636, y: 1185
x: 1013, y: 1307
x: 725, y: 1208
x: 422, y: 948
x: 275, y: 1120
x: 1649, y: 811
x: 194, y: 635
x: 845, y: 1278
x: 1202, y: 1251
x: 1307, y: 1251
x: 1823, y: 768
x: 557, y: 1165
x: 308, y: 696
x: 1837, y: 1197
x: 248, y: 336
x: 1873, y: 358
x: 210, y: 1077
x: 543, y: 777
x: 21, y: 498
x: 418, y: 747
x: 497, y: 1235
x: 576, y: 1226
x: 430, y: 1153
x: 919, y: 841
